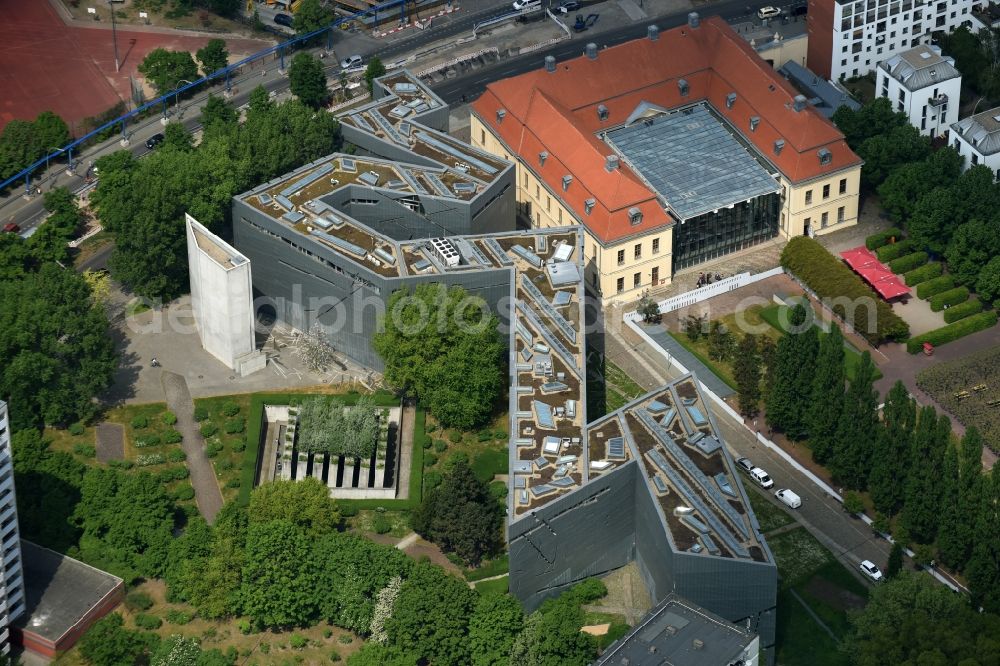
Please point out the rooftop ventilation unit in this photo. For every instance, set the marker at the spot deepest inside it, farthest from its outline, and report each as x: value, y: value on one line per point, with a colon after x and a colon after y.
x: 825, y: 156
x: 610, y: 163
x: 653, y: 33
x: 369, y: 178
x: 566, y: 180
x: 799, y: 103
x: 754, y: 121
x: 542, y: 156
x: 602, y: 112
x: 445, y: 251
x: 693, y: 20
x: 730, y: 100
x: 697, y: 644
x: 683, y: 86
x: 588, y: 205
x: 778, y: 145
x: 550, y: 64
x: 591, y: 50
x: 501, y: 114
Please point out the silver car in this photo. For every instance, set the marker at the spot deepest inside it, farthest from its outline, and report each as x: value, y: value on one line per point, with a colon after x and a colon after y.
x: 351, y: 62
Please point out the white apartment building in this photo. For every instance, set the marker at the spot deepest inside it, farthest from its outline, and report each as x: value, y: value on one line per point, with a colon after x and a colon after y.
x: 848, y: 38
x: 12, y: 599
x: 924, y: 85
x: 977, y: 139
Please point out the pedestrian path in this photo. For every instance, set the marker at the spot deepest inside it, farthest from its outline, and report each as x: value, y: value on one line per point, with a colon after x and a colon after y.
x: 689, y: 361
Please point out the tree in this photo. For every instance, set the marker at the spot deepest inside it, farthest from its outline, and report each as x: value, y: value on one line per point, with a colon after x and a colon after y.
x: 895, y: 564
x: 374, y: 70
x: 983, y: 568
x: 213, y: 56
x: 310, y: 16
x: 907, y: 184
x: 885, y: 153
x: 279, y: 580
x: 969, y: 489
x: 923, y: 488
x: 891, y: 463
x: 826, y: 400
x: 988, y: 282
x: 857, y: 429
x: 218, y: 115
x: 47, y: 485
x: 307, y: 80
x: 795, y: 367
x: 384, y: 607
x: 495, y: 623
x: 649, y: 310
x: 695, y: 326
x: 552, y: 636
x: 720, y: 342
x: 747, y: 371
x: 50, y: 131
x: 108, y: 643
x: 373, y: 654
x: 99, y: 283
x: 950, y: 536
x: 177, y: 137
x: 442, y: 346
x: 177, y: 650
x: 305, y: 503
x: 461, y: 516
x: 166, y: 69
x: 971, y: 247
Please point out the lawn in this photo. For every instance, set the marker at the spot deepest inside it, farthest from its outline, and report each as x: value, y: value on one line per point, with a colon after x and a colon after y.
x: 499, y: 585
x: 488, y: 569
x: 769, y: 516
x: 484, y: 449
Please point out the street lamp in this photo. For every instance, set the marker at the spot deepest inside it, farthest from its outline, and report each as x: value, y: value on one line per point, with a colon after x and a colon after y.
x: 47, y: 156
x: 177, y: 94
x: 114, y: 35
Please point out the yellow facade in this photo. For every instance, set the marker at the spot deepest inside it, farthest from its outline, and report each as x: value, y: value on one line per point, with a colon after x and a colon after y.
x: 822, y: 205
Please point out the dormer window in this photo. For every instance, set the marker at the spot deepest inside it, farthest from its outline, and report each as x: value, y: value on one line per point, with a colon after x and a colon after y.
x: 730, y: 100
x: 588, y: 205
x: 682, y: 85
x: 754, y: 121
x: 566, y: 180
x: 825, y: 156
x: 501, y: 114
x: 602, y: 112
x: 542, y: 156
x: 634, y: 216
x: 778, y: 145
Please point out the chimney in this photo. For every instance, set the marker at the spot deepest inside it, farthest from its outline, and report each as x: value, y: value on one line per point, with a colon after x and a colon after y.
x: 653, y: 32
x: 591, y: 50
x: 550, y: 64
x: 610, y: 163
x: 799, y: 103
x: 694, y: 20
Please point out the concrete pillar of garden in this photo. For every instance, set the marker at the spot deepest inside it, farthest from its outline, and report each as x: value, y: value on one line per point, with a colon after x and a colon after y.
x: 348, y: 473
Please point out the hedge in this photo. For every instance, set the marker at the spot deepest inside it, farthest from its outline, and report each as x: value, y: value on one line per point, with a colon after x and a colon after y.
x: 949, y: 298
x: 935, y: 286
x: 923, y: 274
x: 908, y: 262
x: 876, y: 241
x: 963, y: 310
x: 831, y: 279
x: 952, y: 332
x: 895, y: 250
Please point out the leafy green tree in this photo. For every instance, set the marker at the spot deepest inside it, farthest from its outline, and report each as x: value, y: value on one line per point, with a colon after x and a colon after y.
x: 47, y: 485
x: 193, y: 546
x: 891, y: 463
x: 50, y: 131
x: 307, y: 80
x: 720, y: 342
x: 747, y: 370
x: 649, y: 310
x: 983, y: 568
x: 279, y: 580
x: 177, y: 650
x: 305, y: 503
x: 988, y: 282
x: 109, y: 643
x: 496, y: 621
x: 311, y: 15
x: 885, y: 153
x: 971, y: 247
x: 374, y: 70
x: 18, y: 147
x: 373, y: 654
x: 907, y: 184
x: 442, y: 346
x: 895, y: 564
x: 876, y: 118
x: 552, y: 636
x: 933, y: 216
x: 826, y: 402
x: 212, y: 584
x: 923, y: 488
x: 461, y: 516
x: 213, y: 56
x: 969, y: 488
x: 432, y: 615
x: 218, y: 115
x: 950, y: 536
x: 166, y: 69
x: 857, y: 429
x: 796, y: 362
x: 176, y: 136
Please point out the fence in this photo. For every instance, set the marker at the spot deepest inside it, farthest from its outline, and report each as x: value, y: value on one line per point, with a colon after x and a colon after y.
x: 700, y: 294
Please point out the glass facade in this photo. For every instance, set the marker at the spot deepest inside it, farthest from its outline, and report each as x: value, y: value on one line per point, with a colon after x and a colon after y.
x: 726, y: 230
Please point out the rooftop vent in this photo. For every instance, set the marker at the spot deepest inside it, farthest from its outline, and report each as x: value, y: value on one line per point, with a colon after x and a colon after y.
x: 550, y: 64
x: 542, y: 156
x: 693, y: 20
x: 799, y: 103
x: 602, y: 112
x: 652, y: 649
x: 925, y: 55
x: 683, y: 86
x: 671, y: 629
x: 778, y: 145
x: 501, y: 113
x: 634, y: 216
x: 933, y: 73
x: 825, y: 156
x: 653, y: 33
x: 591, y: 50
x: 697, y: 644
x: 730, y: 100
x: 754, y: 121
x: 588, y: 205
x: 567, y: 179
x: 611, y: 163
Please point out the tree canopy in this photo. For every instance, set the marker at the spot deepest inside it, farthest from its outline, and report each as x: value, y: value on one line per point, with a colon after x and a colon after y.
x: 306, y: 503
x: 328, y: 426
x: 307, y: 80
x: 166, y: 69
x: 24, y: 142
x: 311, y: 15
x: 213, y: 56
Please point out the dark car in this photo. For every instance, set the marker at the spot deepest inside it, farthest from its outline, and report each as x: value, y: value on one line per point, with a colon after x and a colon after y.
x: 11, y: 228
x: 744, y: 464
x: 154, y: 141
x: 568, y: 6
x: 283, y: 19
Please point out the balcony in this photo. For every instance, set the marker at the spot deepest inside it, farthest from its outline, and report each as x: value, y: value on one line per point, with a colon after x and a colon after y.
x: 940, y: 100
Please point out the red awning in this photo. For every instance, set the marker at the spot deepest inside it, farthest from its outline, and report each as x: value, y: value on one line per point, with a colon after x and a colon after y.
x: 891, y: 288
x: 874, y: 272
x: 858, y: 257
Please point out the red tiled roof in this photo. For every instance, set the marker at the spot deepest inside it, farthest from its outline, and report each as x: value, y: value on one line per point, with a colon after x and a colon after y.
x: 556, y: 112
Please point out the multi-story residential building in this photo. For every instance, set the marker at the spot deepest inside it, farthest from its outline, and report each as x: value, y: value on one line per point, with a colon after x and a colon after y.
x: 12, y: 599
x: 849, y: 38
x: 701, y: 150
x: 924, y: 85
x: 977, y: 139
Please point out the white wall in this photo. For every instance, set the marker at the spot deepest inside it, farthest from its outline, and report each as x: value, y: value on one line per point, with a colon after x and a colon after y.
x: 931, y: 120
x: 972, y: 157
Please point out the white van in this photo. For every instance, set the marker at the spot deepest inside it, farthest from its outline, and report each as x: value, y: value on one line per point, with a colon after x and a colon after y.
x: 761, y: 477
x: 789, y: 498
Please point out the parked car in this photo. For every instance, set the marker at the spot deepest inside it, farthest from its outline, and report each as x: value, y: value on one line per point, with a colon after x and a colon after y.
x: 568, y: 6
x: 761, y: 478
x: 527, y: 4
x: 744, y: 464
x: 154, y: 141
x: 283, y: 19
x: 11, y: 228
x: 789, y: 498
x: 869, y: 569
x: 768, y: 12
x: 799, y: 10
x: 351, y: 62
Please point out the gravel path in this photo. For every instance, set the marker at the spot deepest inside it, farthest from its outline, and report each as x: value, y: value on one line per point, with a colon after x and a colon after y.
x: 110, y: 442
x: 206, y: 488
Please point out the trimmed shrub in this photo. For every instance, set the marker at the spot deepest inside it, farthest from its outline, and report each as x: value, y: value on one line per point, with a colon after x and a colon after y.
x: 169, y: 418
x: 149, y: 459
x: 440, y: 446
x: 233, y: 483
x: 430, y: 459
x: 500, y: 434
x: 225, y: 465
x: 208, y: 429
x: 139, y: 422
x: 297, y: 641
x: 935, y: 286
x: 238, y: 445
x: 213, y: 449
x: 176, y: 456
x: 895, y: 250
x: 348, y: 510
x: 923, y: 274
x: 137, y: 601
x: 454, y: 437
x: 432, y: 479
x: 952, y: 332
x: 425, y: 441
x: 85, y: 450
x: 230, y: 408
x: 908, y: 262
x: 178, y: 617
x: 148, y: 440
x: 76, y: 429
x: 148, y: 622
x: 235, y: 426
x: 831, y: 279
x: 963, y: 310
x: 484, y: 435
x: 949, y: 298
x: 876, y: 241
x: 184, y: 492
x: 121, y: 464
x: 200, y: 413
x: 172, y: 437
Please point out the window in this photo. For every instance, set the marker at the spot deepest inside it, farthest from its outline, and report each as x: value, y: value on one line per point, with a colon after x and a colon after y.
x: 656, y: 275
x: 538, y: 192
x: 621, y: 257
x: 482, y: 137
x: 823, y: 220
x: 975, y: 159
x: 843, y: 186
x: 840, y: 215
x: 548, y: 204
x: 560, y: 215
x: 826, y: 191
x: 620, y: 285
x: 525, y: 179
x: 656, y: 246
x: 636, y: 280
x: 638, y: 250
x: 809, y: 197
